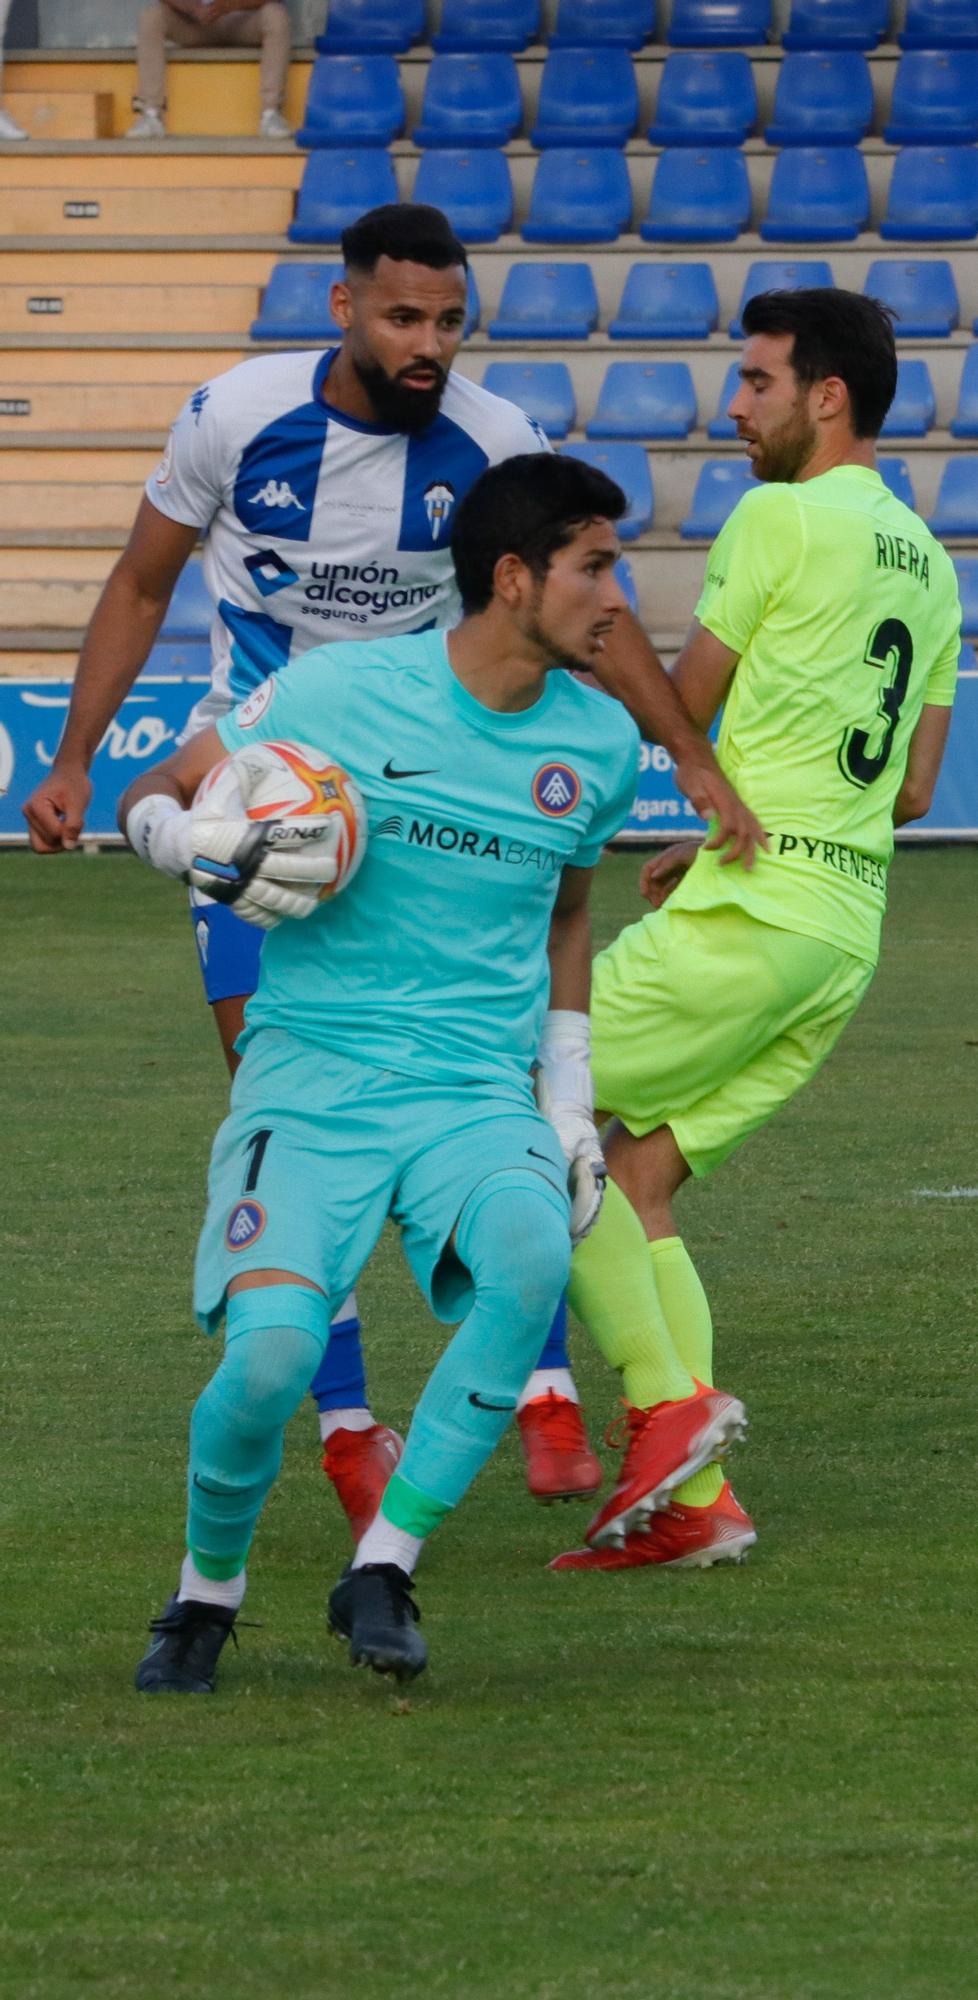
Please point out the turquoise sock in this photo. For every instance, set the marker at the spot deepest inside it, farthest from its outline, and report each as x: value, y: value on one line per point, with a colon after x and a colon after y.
x: 275, y: 1338
x: 514, y: 1240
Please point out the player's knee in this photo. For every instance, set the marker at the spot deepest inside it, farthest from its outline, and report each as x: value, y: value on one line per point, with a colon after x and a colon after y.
x: 515, y: 1240
x: 275, y: 1340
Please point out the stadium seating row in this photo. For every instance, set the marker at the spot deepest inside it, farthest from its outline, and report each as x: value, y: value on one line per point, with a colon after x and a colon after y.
x: 660, y: 301
x: 590, y: 97
x: 392, y: 26
x: 702, y: 195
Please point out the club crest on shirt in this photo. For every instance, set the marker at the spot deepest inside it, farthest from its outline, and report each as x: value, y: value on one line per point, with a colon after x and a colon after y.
x: 556, y: 790
x: 439, y: 500
x: 244, y: 1225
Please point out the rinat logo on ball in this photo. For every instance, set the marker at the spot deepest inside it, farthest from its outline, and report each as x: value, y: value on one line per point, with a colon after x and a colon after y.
x: 556, y: 790
x: 304, y: 784
x: 244, y: 1225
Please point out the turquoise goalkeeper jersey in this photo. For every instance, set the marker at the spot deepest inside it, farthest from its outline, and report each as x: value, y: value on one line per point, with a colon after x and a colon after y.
x: 433, y: 962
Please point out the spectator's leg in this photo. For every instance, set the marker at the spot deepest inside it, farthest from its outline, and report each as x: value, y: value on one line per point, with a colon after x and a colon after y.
x: 268, y: 27
x: 151, y: 58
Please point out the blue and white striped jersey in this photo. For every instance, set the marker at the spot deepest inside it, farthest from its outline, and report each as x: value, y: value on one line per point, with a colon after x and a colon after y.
x: 319, y: 527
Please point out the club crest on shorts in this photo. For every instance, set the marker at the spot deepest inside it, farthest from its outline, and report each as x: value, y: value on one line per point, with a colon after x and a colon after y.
x: 556, y: 790
x: 244, y: 1225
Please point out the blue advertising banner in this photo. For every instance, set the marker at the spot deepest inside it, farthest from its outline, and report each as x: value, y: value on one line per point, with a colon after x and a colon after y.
x: 32, y: 714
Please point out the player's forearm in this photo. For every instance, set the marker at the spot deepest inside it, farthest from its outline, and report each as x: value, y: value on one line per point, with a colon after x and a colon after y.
x: 124, y: 624
x: 631, y: 670
x: 570, y: 961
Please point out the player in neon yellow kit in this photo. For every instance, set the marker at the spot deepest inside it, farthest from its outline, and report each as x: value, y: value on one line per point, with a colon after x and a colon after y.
x: 828, y: 627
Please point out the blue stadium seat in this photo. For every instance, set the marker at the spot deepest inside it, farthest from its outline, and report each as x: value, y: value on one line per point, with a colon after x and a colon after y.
x: 940, y: 24
x: 542, y: 388
x: 716, y: 24
x: 770, y: 275
x: 913, y: 410
x: 353, y: 101
x: 667, y: 302
x: 472, y: 188
x: 588, y: 97
x: 624, y: 575
x: 579, y: 197
x: 612, y: 24
x: 295, y: 304
x: 699, y: 197
x: 964, y: 423
x: 470, y: 100
x: 473, y: 304
x: 721, y: 426
x: 956, y: 512
x: 720, y: 484
x: 895, y: 473
x: 706, y: 98
x: 190, y: 612
x: 836, y: 24
x: 468, y: 25
x: 935, y: 99
x: 371, y: 27
x: 179, y: 659
x: 818, y: 195
x: 924, y: 296
x: 628, y: 466
x: 967, y: 662
x: 336, y: 188
x: 824, y: 98
x: 546, y: 302
x: 644, y: 399
x: 933, y: 195
x: 966, y: 568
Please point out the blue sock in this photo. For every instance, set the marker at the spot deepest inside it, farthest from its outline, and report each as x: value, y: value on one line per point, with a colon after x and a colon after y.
x: 275, y: 1336
x: 554, y: 1353
x: 340, y: 1382
x: 514, y: 1240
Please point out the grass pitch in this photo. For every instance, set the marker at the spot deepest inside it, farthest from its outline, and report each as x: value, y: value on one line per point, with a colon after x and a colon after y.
x: 751, y: 1784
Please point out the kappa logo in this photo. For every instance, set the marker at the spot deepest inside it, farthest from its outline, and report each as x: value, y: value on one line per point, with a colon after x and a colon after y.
x: 438, y: 503
x: 276, y: 493
x: 556, y: 790
x: 244, y: 1225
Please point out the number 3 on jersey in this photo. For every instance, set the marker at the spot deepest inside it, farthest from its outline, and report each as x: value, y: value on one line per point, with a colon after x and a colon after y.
x: 890, y: 648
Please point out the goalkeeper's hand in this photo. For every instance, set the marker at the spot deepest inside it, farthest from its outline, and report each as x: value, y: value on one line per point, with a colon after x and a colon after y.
x: 263, y: 868
x: 565, y: 1095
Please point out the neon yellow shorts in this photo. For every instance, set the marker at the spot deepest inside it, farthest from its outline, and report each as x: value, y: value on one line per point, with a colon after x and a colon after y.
x: 708, y: 1021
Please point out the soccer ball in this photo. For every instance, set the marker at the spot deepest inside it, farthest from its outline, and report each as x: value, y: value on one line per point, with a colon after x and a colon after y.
x: 303, y: 800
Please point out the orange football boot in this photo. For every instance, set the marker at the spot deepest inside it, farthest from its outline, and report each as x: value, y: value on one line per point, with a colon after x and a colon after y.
x: 666, y: 1445
x: 359, y: 1464
x: 681, y: 1537
x: 560, y: 1464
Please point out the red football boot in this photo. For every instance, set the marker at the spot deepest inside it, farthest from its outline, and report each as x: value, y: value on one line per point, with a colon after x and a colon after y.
x: 668, y: 1443
x: 680, y: 1538
x: 560, y: 1464
x: 359, y: 1464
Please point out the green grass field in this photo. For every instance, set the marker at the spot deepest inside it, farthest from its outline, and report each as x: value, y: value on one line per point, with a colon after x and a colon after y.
x: 744, y: 1784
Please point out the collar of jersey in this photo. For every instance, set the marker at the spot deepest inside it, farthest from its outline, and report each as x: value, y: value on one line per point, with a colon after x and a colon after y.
x: 491, y: 721
x: 323, y: 366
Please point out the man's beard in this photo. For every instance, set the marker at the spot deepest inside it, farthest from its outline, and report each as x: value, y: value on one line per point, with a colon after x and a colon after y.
x: 397, y: 407
x: 786, y: 452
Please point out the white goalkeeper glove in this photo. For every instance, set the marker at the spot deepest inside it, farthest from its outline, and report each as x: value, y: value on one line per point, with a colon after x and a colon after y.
x: 264, y: 868
x: 565, y: 1095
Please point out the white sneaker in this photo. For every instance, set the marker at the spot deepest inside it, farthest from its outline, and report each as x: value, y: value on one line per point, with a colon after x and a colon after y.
x: 9, y: 129
x: 149, y: 125
x: 272, y: 125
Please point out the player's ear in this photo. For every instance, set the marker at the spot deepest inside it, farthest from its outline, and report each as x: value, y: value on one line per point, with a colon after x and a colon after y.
x: 509, y: 579
x: 341, y: 303
x: 833, y: 397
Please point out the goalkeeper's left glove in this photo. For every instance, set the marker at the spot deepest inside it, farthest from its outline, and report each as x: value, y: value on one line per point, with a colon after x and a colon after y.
x: 565, y: 1095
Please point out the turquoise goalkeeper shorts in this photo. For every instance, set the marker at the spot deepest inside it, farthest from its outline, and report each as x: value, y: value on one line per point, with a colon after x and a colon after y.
x: 317, y: 1151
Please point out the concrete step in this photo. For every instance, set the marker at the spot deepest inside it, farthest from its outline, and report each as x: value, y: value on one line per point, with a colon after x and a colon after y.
x: 53, y: 565
x: 44, y: 513
x: 215, y: 92
x: 152, y: 164
x: 80, y: 308
x: 142, y: 264
x: 62, y: 114
x: 86, y: 363
x: 76, y: 408
x: 76, y: 210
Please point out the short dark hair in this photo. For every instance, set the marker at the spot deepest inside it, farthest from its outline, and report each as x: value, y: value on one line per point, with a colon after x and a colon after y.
x: 835, y: 333
x: 408, y: 231
x: 529, y: 506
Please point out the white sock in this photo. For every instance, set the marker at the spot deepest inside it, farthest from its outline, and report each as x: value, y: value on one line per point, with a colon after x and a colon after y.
x: 207, y: 1590
x: 344, y: 1420
x: 560, y: 1380
x: 383, y: 1543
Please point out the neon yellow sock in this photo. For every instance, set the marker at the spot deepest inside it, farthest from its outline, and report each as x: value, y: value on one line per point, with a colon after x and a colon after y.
x: 686, y: 1310
x: 613, y: 1290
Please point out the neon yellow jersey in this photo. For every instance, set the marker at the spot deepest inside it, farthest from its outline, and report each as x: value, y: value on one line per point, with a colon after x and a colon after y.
x: 844, y: 611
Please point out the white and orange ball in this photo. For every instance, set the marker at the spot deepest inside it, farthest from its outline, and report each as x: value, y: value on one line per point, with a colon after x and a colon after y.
x: 308, y: 801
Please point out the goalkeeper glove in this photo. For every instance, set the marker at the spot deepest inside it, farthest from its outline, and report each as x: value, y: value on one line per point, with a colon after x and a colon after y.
x: 565, y: 1095
x: 264, y: 868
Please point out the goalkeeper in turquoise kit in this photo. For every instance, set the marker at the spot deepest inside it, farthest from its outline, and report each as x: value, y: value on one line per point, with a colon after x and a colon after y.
x: 390, y: 1049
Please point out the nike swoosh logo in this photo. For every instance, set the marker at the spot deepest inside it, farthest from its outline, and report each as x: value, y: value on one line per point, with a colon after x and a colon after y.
x: 545, y: 1157
x: 389, y: 772
x: 481, y: 1404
